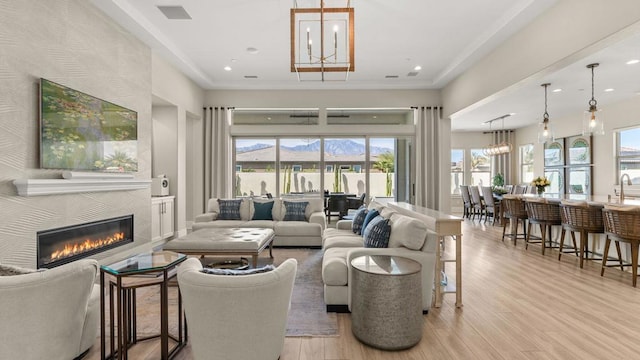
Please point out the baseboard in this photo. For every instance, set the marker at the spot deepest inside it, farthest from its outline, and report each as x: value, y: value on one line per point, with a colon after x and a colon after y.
x: 338, y: 308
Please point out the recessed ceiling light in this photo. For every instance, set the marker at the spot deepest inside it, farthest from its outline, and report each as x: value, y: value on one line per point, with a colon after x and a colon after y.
x: 608, y: 90
x: 252, y: 50
x: 227, y: 68
x: 417, y: 68
x: 556, y: 90
x: 511, y: 114
x: 634, y: 61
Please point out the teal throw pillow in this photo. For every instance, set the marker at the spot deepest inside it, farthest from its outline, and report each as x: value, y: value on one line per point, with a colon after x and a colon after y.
x: 377, y: 233
x: 358, y: 220
x: 262, y: 210
x: 229, y: 209
x: 295, y: 210
x: 370, y: 215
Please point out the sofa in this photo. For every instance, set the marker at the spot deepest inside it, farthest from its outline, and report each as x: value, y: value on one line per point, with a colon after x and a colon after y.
x: 49, y: 314
x: 409, y: 238
x: 306, y: 232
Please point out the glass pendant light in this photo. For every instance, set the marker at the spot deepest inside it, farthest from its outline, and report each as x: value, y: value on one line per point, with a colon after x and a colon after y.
x: 545, y: 131
x: 592, y: 123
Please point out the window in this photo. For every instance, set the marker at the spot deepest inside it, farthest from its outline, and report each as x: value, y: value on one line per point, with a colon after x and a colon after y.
x: 457, y: 170
x: 526, y: 163
x: 480, y: 168
x: 328, y: 168
x: 356, y: 168
x: 628, y: 154
x: 295, y: 155
x: 382, y: 162
x: 255, y: 163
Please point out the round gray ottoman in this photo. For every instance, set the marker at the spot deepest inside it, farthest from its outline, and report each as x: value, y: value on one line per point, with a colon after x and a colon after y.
x: 386, y: 301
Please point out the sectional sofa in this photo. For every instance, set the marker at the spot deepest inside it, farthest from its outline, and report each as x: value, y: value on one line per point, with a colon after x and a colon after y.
x: 409, y: 238
x: 305, y: 232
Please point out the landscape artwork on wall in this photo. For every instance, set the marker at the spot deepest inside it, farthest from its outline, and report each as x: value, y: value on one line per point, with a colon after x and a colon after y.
x: 81, y: 132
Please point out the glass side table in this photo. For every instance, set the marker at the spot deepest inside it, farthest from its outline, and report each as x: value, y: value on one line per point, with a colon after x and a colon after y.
x: 123, y: 278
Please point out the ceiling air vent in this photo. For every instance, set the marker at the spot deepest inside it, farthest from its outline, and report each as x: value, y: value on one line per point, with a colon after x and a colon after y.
x: 174, y: 12
x: 391, y: 77
x: 413, y: 73
x: 251, y: 76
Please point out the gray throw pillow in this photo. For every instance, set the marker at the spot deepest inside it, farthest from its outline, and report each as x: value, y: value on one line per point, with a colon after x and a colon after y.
x: 229, y: 209
x: 295, y: 211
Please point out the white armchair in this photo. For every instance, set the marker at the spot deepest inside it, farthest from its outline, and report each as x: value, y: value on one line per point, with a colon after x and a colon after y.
x: 51, y: 314
x: 236, y: 317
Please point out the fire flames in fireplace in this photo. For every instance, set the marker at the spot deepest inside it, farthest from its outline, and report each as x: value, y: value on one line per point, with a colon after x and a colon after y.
x: 86, y: 245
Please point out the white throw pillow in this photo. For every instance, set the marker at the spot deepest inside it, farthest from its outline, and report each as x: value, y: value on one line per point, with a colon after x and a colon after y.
x: 407, y: 231
x: 386, y: 212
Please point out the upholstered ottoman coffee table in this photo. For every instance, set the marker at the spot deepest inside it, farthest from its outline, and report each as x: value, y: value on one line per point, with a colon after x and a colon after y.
x: 386, y: 301
x: 224, y: 241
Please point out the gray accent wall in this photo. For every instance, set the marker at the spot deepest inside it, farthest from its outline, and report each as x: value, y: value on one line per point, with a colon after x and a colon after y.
x: 74, y: 44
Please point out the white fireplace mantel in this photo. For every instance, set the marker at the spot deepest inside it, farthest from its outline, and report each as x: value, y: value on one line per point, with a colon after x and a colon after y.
x: 37, y: 187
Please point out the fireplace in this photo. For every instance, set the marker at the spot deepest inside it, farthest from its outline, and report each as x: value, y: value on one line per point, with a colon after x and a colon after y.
x: 63, y: 245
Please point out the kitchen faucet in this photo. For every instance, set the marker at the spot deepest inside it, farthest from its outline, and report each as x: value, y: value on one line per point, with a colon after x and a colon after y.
x: 622, y: 185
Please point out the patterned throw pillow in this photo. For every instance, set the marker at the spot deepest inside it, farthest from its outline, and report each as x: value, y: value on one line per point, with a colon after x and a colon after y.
x: 358, y: 220
x: 377, y: 233
x: 370, y: 215
x: 214, y: 271
x: 229, y: 209
x: 262, y: 210
x: 295, y: 210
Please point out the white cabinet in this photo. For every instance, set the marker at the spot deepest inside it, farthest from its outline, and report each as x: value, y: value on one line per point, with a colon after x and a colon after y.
x: 161, y: 217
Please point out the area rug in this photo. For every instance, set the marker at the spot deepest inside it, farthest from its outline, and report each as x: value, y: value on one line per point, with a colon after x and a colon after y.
x: 307, y: 314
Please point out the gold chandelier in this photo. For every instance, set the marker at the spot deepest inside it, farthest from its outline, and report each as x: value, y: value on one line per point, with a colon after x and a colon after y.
x: 322, y: 41
x: 503, y: 147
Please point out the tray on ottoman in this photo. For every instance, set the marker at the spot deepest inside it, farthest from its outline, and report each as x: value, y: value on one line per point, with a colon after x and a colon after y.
x: 224, y: 241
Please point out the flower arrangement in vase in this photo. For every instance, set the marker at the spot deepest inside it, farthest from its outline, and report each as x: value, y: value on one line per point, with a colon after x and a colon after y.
x: 541, y: 182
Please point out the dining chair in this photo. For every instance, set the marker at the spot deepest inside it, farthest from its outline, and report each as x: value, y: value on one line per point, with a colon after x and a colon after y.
x: 466, y: 199
x: 476, y: 202
x: 519, y: 189
x: 622, y: 224
x: 490, y: 205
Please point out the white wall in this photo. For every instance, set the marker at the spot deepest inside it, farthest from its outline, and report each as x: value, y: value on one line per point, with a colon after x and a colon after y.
x: 616, y: 116
x: 178, y: 103
x: 563, y: 34
x: 72, y: 43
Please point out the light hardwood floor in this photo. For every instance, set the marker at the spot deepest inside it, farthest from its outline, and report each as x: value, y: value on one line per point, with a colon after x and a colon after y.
x: 518, y: 304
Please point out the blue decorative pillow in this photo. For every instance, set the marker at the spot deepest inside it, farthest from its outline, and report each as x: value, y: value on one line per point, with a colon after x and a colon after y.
x: 295, y: 210
x: 262, y: 210
x: 214, y: 271
x: 229, y: 209
x: 358, y: 220
x: 377, y: 233
x: 370, y: 215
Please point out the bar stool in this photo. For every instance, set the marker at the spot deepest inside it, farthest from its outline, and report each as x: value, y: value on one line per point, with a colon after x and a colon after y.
x: 546, y: 214
x: 578, y: 216
x: 515, y: 211
x: 622, y: 224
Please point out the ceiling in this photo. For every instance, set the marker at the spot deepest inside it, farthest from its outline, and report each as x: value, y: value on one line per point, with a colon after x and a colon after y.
x: 391, y: 38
